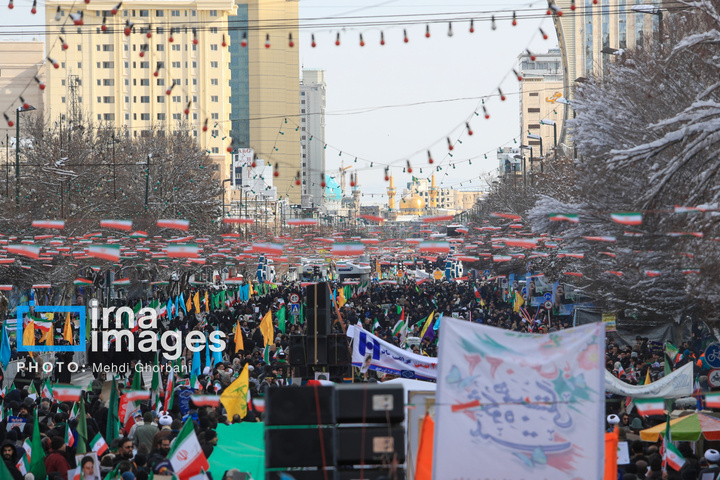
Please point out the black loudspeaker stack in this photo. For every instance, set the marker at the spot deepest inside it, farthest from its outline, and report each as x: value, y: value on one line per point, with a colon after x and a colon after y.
x: 340, y: 432
x: 320, y: 350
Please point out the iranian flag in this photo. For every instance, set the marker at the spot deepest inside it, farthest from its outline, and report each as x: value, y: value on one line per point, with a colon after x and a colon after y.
x: 437, y: 218
x: 29, y: 251
x: 601, y: 239
x: 47, y: 391
x: 673, y: 457
x: 81, y: 282
x: 169, y: 390
x: 373, y: 218
x: 98, y: 445
x: 650, y: 406
x: 370, y: 241
x: 176, y: 224
x: 521, y: 242
x: 190, y: 250
x: 137, y: 395
x: 269, y: 248
x: 439, y: 247
x: 653, y: 273
x: 509, y: 216
x: 206, y: 400
x: 712, y: 400
x: 121, y: 282
x: 633, y: 218
x: 69, y: 437
x: 501, y: 258
x: 186, y: 455
x: 56, y: 224
x: 67, y: 393
x: 6, y: 288
x: 238, y: 220
x: 106, y: 252
x: 565, y: 217
x: 139, y: 234
x: 124, y: 225
x: 302, y: 221
x: 348, y: 249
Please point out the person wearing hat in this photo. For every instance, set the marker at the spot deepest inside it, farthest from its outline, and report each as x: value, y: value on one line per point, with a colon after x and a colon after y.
x: 165, y: 422
x: 10, y: 457
x: 713, y: 469
x: 143, y: 434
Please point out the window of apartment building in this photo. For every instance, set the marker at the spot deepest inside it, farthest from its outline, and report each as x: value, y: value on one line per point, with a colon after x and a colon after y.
x: 134, y: 65
x: 302, y: 138
x: 99, y: 117
x: 175, y: 13
x: 213, y: 64
x: 109, y: 117
x: 79, y: 47
x: 62, y: 64
x: 134, y: 99
x: 195, y: 118
x: 214, y: 133
x: 177, y: 82
x: 213, y: 29
x: 159, y: 13
x: 176, y: 48
x: 214, y: 81
x: 127, y: 117
x: 302, y: 111
x: 108, y: 47
x: 194, y: 81
x: 160, y: 30
x: 194, y: 99
x: 194, y: 64
x: 533, y: 110
x: 303, y: 129
x: 126, y: 48
x: 213, y: 47
x: 144, y: 82
x: 144, y: 64
x: 127, y: 99
x: 160, y: 82
x: 534, y: 126
x: 215, y: 116
x: 127, y: 82
x: 161, y: 116
x: 176, y: 116
x: 160, y: 47
x: 302, y: 102
x: 99, y: 99
x: 161, y: 99
x: 176, y: 64
x: 62, y: 82
x: 135, y: 118
x: 144, y: 116
x: 176, y: 98
x: 144, y: 99
x: 108, y: 99
x: 302, y: 119
x: 62, y: 99
x: 534, y: 94
x: 125, y: 13
x: 79, y: 99
x: 215, y: 150
x: 213, y: 13
x: 194, y: 47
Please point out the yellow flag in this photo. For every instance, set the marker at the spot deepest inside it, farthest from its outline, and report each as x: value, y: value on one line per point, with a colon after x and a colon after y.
x: 518, y: 302
x: 648, y: 380
x: 29, y: 334
x: 341, y: 298
x: 67, y: 330
x: 427, y: 324
x: 266, y: 328
x: 251, y: 290
x: 234, y: 398
x: 188, y: 305
x: 196, y: 301
x: 238, y: 338
x: 207, y: 302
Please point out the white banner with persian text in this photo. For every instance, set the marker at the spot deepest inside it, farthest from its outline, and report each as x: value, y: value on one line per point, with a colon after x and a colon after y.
x: 372, y: 353
x: 513, y: 406
x: 674, y: 385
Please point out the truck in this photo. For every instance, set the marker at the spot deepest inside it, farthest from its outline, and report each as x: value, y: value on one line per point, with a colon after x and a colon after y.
x: 353, y: 271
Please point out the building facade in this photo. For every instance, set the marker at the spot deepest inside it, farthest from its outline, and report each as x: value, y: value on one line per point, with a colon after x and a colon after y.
x: 312, y: 125
x: 21, y: 62
x: 172, y: 62
x: 540, y: 113
x: 421, y: 196
x: 265, y: 86
x: 509, y: 161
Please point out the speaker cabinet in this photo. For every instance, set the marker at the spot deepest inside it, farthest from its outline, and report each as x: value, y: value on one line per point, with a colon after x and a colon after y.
x: 378, y: 445
x: 319, y: 474
x: 299, y: 447
x: 372, y: 474
x: 382, y: 403
x: 338, y: 350
x: 297, y: 350
x: 299, y: 406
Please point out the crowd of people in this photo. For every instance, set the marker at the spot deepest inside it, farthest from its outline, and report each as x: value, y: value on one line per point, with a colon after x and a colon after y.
x: 142, y: 449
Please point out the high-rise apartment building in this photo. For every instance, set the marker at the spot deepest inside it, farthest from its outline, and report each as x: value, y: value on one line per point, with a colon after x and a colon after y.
x: 172, y: 61
x: 21, y: 61
x: 265, y: 86
x: 312, y: 126
x: 540, y: 113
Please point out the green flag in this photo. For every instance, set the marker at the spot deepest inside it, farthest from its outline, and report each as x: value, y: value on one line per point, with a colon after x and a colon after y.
x: 81, y: 446
x: 113, y: 422
x: 301, y: 318
x: 4, y: 472
x: 37, y: 462
x: 281, y: 319
x: 113, y: 474
x: 137, y: 380
x: 156, y: 375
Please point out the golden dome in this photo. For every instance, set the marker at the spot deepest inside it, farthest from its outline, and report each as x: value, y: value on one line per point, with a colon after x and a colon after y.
x: 413, y: 202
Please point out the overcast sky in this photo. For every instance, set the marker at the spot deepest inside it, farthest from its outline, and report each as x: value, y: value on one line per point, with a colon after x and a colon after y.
x: 389, y: 104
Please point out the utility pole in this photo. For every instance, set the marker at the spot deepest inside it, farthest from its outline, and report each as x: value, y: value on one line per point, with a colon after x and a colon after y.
x: 114, y: 176
x: 147, y: 179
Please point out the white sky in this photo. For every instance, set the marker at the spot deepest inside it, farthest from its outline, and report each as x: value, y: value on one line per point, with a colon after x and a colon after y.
x: 392, y: 103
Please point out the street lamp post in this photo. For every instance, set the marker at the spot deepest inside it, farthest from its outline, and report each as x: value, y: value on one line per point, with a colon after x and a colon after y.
x: 554, y: 125
x: 147, y: 179
x: 535, y: 136
x: 227, y: 180
x: 19, y: 110
x: 651, y: 10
